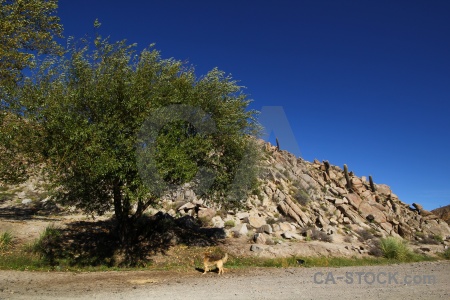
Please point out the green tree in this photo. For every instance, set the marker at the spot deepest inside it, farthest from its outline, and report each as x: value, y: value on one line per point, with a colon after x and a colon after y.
x: 119, y: 128
x: 26, y: 26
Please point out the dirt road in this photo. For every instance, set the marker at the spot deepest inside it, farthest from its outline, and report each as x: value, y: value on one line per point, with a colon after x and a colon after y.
x: 427, y: 280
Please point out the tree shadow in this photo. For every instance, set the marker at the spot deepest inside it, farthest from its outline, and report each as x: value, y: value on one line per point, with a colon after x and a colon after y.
x: 88, y: 243
x: 34, y: 212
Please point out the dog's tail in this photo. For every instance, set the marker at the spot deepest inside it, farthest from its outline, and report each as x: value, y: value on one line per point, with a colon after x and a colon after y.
x: 225, y: 258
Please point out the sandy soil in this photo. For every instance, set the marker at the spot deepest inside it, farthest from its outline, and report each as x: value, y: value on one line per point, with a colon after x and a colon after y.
x: 432, y: 281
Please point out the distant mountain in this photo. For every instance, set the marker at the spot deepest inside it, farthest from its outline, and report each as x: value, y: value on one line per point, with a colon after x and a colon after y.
x: 443, y: 213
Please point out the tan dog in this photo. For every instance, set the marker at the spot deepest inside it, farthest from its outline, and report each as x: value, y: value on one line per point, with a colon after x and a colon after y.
x: 213, y: 260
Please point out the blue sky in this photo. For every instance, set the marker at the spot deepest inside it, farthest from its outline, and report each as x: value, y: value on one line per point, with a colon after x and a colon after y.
x: 362, y: 83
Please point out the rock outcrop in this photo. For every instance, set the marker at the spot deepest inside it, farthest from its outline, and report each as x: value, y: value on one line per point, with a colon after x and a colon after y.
x: 297, y: 196
x: 443, y: 213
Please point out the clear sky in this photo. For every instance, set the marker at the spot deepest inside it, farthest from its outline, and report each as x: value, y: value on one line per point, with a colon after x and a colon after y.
x: 362, y: 83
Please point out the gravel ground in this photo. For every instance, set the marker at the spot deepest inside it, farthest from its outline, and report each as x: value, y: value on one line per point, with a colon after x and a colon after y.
x: 432, y: 281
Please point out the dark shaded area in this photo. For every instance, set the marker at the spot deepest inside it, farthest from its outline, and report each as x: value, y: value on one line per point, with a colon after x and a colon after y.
x: 97, y: 243
x: 216, y: 270
x: 35, y: 211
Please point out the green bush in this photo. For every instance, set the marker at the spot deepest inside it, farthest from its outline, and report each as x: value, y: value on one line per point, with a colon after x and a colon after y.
x: 5, y: 241
x: 229, y: 224
x: 446, y: 254
x: 271, y: 221
x: 46, y: 243
x: 438, y: 238
x: 395, y: 248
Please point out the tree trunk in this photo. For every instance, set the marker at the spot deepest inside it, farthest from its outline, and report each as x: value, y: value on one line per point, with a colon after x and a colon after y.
x: 121, y: 209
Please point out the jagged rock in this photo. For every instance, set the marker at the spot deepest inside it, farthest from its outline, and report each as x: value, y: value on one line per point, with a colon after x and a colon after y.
x: 367, y: 195
x: 435, y: 228
x: 333, y: 221
x: 354, y: 217
x: 27, y: 201
x: 303, y: 217
x: 266, y: 228
x: 323, y: 222
x: 353, y: 199
x: 367, y: 209
x: 427, y: 215
x: 287, y: 211
x: 242, y: 215
x: 206, y: 213
x: 279, y: 196
x: 276, y: 227
x: 387, y: 227
x: 240, y: 229
x: 189, y: 194
x: 256, y: 248
x: 259, y: 238
x: 285, y: 226
x: 341, y: 191
x: 291, y: 235
x: 217, y: 222
x: 187, y: 206
x: 443, y: 213
x: 340, y: 201
x: 256, y: 222
x: 268, y: 190
x: 418, y: 207
x: 358, y: 185
x: 330, y: 198
x: 383, y: 189
x: 404, y: 231
x: 198, y: 202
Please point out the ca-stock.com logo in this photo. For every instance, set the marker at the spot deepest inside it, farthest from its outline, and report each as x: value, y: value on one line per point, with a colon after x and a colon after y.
x: 370, y: 278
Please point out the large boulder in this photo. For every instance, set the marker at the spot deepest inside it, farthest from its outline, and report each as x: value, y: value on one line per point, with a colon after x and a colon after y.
x: 256, y: 222
x: 266, y: 228
x: 240, y: 229
x: 206, y: 213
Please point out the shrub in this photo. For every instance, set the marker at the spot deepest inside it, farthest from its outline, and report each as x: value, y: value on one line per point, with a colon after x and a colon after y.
x: 394, y: 248
x: 302, y: 197
x: 5, y: 241
x: 229, y: 224
x: 45, y: 245
x: 446, y: 253
x: 320, y: 236
x: 420, y: 234
x: 271, y: 221
x: 438, y: 238
x: 430, y: 240
x: 364, y: 235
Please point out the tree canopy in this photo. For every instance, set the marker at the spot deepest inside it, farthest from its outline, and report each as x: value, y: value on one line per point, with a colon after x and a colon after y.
x: 119, y: 128
x: 26, y: 26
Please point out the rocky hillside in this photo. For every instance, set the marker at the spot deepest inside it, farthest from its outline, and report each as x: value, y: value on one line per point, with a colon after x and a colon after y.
x: 304, y: 200
x: 331, y: 208
x: 443, y: 213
